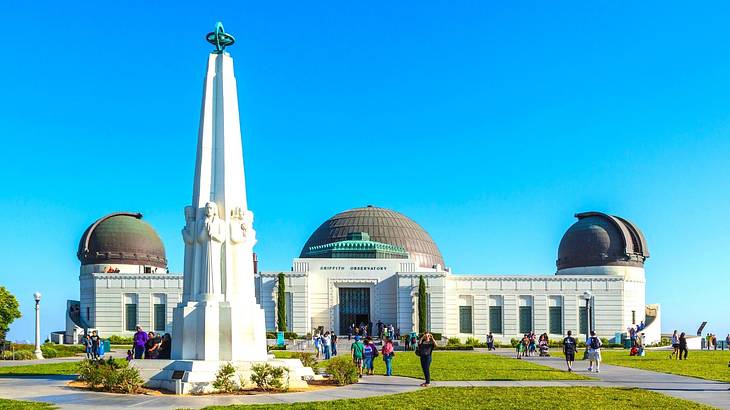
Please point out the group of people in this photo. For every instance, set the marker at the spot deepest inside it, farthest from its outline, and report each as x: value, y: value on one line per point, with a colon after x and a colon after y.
x: 679, y: 346
x: 711, y: 341
x: 528, y: 345
x: 325, y: 344
x: 593, y: 345
x: 149, y: 345
x: 364, y: 352
x: 92, y: 345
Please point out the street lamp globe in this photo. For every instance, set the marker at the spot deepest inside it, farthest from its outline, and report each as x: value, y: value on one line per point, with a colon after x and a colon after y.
x: 587, y: 295
x: 37, y: 296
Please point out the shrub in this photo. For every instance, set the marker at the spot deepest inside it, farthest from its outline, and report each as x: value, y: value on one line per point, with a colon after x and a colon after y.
x: 275, y: 347
x: 110, y: 375
x: 23, y: 355
x: 453, y: 341
x: 290, y: 335
x: 307, y: 359
x: 49, y: 352
x: 472, y: 341
x: 119, y: 340
x: 270, y: 335
x: 224, y: 379
x: 342, y: 370
x: 268, y: 377
x: 436, y: 336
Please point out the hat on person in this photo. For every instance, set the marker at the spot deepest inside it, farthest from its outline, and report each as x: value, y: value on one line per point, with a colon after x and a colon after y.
x: 357, y: 338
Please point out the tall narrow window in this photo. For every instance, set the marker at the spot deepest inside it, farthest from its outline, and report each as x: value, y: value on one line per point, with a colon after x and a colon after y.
x: 633, y: 317
x: 495, y: 314
x: 130, y: 311
x: 583, y: 320
x: 131, y: 316
x: 465, y: 319
x: 555, y: 315
x: 289, y: 311
x: 525, y: 314
x: 159, y: 314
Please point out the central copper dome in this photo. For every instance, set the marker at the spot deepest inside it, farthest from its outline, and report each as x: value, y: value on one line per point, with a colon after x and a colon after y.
x: 383, y: 225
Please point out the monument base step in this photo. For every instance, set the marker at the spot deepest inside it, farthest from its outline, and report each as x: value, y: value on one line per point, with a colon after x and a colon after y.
x: 197, y: 376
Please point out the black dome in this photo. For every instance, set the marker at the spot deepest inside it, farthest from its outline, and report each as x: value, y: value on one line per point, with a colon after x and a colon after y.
x: 123, y: 238
x: 598, y: 239
x: 383, y: 225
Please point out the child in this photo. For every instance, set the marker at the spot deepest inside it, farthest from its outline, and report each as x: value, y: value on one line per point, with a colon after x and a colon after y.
x: 130, y: 355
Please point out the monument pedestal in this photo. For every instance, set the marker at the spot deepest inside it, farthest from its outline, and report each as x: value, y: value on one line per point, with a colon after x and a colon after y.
x: 197, y: 376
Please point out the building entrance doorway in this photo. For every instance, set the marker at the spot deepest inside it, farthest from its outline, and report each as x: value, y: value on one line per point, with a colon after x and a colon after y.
x: 354, y: 307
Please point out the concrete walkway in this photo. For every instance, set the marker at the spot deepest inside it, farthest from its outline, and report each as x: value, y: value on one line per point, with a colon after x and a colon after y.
x: 716, y: 394
x: 54, y: 389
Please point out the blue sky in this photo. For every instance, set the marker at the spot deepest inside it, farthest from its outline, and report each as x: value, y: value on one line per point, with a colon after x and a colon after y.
x: 490, y: 125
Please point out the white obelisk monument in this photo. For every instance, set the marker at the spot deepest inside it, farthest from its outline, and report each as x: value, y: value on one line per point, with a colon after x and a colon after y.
x: 219, y: 319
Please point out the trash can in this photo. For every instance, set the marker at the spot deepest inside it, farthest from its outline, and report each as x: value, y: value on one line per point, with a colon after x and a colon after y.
x: 107, y: 346
x: 618, y: 337
x: 627, y: 344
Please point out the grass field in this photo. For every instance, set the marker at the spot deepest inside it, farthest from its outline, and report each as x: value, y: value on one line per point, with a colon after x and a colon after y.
x: 40, y: 369
x: 498, y: 398
x: 24, y: 405
x: 468, y: 366
x: 711, y: 365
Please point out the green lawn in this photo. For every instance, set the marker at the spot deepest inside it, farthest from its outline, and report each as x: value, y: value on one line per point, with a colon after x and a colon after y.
x: 468, y: 366
x: 40, y: 369
x: 711, y: 365
x: 499, y: 398
x: 24, y: 405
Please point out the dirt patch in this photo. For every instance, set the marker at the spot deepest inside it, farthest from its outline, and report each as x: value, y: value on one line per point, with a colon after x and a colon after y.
x: 314, y: 385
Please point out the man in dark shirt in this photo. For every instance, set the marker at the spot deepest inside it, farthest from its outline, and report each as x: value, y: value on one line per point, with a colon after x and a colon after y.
x: 569, y: 348
x: 95, y: 342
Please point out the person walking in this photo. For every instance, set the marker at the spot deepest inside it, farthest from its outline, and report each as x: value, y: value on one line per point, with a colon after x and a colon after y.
x: 594, y: 352
x: 675, y: 346
x: 569, y: 348
x: 140, y: 340
x: 490, y: 341
x: 333, y: 339
x: 95, y: 343
x: 357, y: 350
x: 317, y: 344
x: 682, y: 346
x: 369, y: 355
x: 425, y: 351
x: 388, y: 354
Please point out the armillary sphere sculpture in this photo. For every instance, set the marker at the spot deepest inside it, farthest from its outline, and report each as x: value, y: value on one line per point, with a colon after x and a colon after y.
x: 219, y: 38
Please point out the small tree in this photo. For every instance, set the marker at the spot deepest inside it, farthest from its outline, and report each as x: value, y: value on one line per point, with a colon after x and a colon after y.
x: 9, y: 311
x: 281, y: 303
x: 422, y: 306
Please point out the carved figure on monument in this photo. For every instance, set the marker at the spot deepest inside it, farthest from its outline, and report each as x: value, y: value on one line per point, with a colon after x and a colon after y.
x: 188, y: 234
x: 211, y: 236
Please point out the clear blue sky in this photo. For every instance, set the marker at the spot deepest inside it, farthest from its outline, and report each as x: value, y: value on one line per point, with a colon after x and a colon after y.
x: 489, y: 125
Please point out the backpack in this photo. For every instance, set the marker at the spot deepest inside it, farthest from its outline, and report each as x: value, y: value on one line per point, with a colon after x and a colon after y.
x: 595, y: 343
x: 569, y: 345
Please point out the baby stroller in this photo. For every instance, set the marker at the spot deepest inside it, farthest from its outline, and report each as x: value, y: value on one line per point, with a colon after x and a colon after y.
x: 544, y: 348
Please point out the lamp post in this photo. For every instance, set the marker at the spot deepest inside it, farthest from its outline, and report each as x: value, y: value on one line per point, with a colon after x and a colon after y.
x: 38, y: 354
x: 587, y: 296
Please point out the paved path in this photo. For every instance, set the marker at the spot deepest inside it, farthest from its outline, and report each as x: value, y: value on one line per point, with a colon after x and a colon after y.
x: 716, y: 394
x: 54, y: 389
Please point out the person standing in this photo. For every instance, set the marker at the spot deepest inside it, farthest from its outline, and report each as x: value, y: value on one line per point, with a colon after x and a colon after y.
x: 95, y: 343
x: 594, y: 352
x: 317, y: 344
x: 425, y: 351
x: 569, y: 348
x: 388, y: 354
x: 682, y: 346
x: 87, y: 346
x: 357, y: 349
x: 490, y: 341
x: 333, y: 337
x: 140, y: 340
x: 165, y: 347
x: 153, y: 343
x: 326, y: 345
